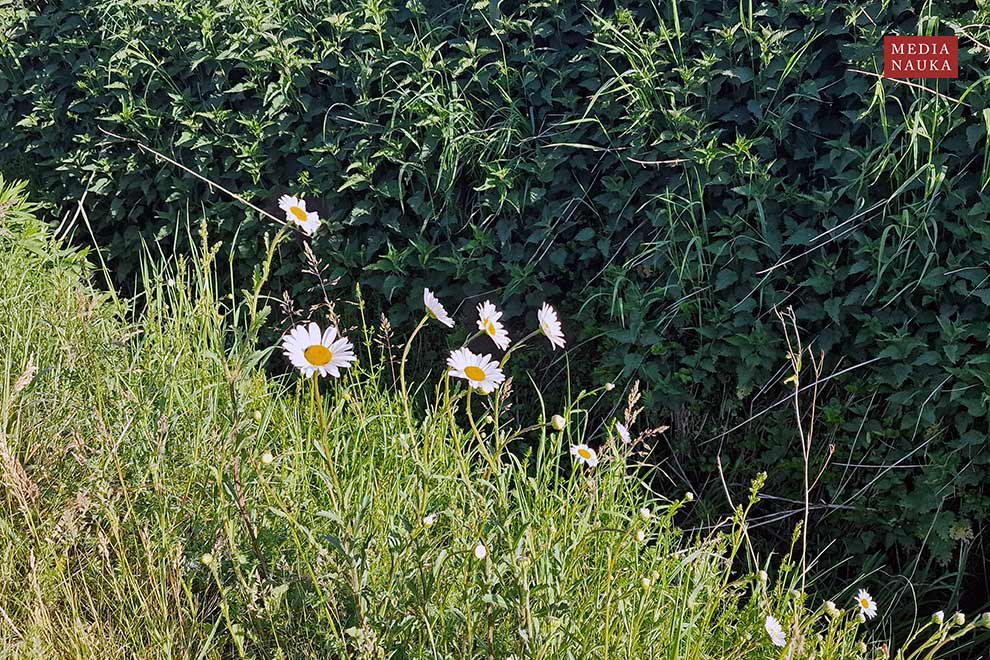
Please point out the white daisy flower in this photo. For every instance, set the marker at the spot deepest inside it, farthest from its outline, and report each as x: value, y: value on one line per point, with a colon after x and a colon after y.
x: 488, y: 322
x: 550, y: 326
x: 296, y: 214
x: 480, y: 551
x: 480, y: 371
x: 436, y: 309
x: 585, y: 454
x: 314, y: 351
x: 775, y: 631
x: 623, y: 432
x: 867, y: 606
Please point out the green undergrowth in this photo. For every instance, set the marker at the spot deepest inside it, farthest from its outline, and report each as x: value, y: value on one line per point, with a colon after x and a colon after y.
x: 162, y: 497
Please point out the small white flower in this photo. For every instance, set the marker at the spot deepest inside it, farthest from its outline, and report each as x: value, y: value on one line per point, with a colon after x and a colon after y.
x: 640, y: 536
x: 296, y: 214
x: 558, y: 422
x: 435, y: 308
x: 689, y: 496
x: 623, y: 432
x: 585, y: 454
x: 428, y: 520
x: 488, y: 322
x: 480, y: 551
x: 550, y: 326
x: 646, y: 582
x: 480, y: 371
x: 867, y: 606
x: 267, y: 458
x: 314, y: 351
x: 645, y: 513
x: 775, y: 631
x: 938, y: 618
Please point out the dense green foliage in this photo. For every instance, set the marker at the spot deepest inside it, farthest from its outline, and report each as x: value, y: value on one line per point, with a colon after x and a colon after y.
x: 667, y: 173
x: 161, y: 498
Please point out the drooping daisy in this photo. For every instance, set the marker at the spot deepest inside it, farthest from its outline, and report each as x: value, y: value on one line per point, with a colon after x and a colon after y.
x: 480, y: 371
x: 867, y: 606
x: 775, y: 631
x: 550, y: 326
x: 585, y: 454
x: 623, y: 432
x: 296, y: 214
x: 436, y: 309
x: 314, y: 351
x: 488, y: 322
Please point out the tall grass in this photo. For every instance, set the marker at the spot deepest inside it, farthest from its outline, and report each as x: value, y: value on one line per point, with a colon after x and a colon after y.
x: 163, y: 497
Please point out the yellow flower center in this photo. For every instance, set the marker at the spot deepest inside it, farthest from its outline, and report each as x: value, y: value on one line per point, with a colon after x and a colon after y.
x: 584, y: 453
x: 865, y: 604
x: 318, y: 355
x: 490, y: 328
x: 474, y: 373
x: 299, y: 213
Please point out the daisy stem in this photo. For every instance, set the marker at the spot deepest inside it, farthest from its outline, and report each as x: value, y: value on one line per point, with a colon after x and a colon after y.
x: 324, y: 431
x: 518, y: 344
x: 477, y: 433
x: 318, y: 402
x: 402, y: 371
x: 472, y: 338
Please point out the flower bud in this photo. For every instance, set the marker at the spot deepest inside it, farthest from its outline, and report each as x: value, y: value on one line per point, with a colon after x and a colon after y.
x: 831, y: 609
x: 640, y: 535
x: 645, y: 513
x: 609, y: 387
x: 689, y: 496
x: 257, y: 416
x: 206, y: 559
x: 762, y: 576
x: 480, y: 551
x: 647, y: 582
x: 267, y: 458
x: 558, y: 422
x: 959, y: 618
x: 429, y: 519
x: 938, y: 618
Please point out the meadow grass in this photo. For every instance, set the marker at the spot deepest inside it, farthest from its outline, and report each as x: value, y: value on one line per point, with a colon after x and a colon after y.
x: 164, y: 497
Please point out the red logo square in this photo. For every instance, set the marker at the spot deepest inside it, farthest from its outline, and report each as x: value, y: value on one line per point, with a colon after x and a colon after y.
x: 920, y: 57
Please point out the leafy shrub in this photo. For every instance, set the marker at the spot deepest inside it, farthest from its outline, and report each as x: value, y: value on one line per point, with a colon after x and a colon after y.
x: 669, y: 174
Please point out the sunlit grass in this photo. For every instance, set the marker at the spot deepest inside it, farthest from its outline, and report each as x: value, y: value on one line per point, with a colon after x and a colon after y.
x: 163, y: 497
